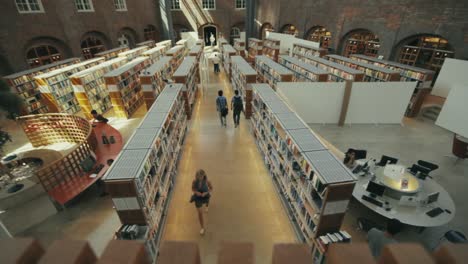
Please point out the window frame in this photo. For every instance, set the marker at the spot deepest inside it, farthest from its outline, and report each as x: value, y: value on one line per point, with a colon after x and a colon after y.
x: 82, y: 3
x: 173, y: 4
x: 123, y: 2
x: 214, y: 5
x: 241, y: 1
x: 29, y: 11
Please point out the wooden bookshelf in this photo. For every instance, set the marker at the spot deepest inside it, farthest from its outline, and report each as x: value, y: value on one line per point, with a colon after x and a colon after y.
x: 142, y: 177
x: 304, y: 50
x: 133, y: 53
x: 24, y: 84
x: 372, y: 48
x: 89, y: 87
x: 165, y: 43
x: 408, y: 73
x: 228, y: 51
x: 409, y: 55
x: 239, y: 45
x: 271, y: 48
x: 152, y: 79
x: 242, y: 74
x: 188, y: 74
x: 354, y: 46
x: 113, y: 53
x: 56, y: 87
x: 255, y: 49
x: 338, y: 72
x: 154, y: 54
x: 124, y: 87
x: 271, y: 72
x: 438, y: 58
x: 373, y: 72
x: 303, y: 72
x: 314, y: 185
x: 149, y: 43
x: 177, y: 53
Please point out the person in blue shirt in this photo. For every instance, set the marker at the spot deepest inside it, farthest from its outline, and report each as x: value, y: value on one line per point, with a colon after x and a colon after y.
x: 222, y: 107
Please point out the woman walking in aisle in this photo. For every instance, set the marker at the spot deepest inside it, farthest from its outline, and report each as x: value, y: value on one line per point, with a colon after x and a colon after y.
x: 201, y: 188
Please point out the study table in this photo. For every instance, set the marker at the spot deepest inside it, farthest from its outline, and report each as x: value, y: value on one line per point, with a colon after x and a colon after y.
x: 402, y: 185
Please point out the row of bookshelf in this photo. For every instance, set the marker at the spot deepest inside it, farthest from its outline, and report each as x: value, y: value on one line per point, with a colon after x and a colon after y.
x: 242, y: 74
x: 255, y: 48
x: 271, y: 72
x: 155, y: 53
x: 165, y: 43
x: 188, y: 74
x: 124, y: 86
x: 337, y: 71
x: 239, y: 46
x: 308, y: 50
x: 149, y: 43
x: 228, y: 52
x: 303, y: 72
x: 271, y: 48
x: 373, y: 72
x: 142, y: 177
x: 308, y: 177
x: 112, y: 53
x: 153, y: 79
x: 133, y: 53
x: 177, y: 53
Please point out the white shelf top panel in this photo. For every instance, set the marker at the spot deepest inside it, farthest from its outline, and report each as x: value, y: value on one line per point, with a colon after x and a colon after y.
x: 98, y: 67
x: 127, y: 165
x: 228, y: 49
x: 69, y: 68
x: 263, y: 88
x: 290, y: 121
x: 132, y: 51
x: 110, y: 51
x: 164, y: 43
x: 280, y: 69
x: 158, y: 66
x: 306, y: 140
x: 39, y: 69
x: 174, y: 50
x: 153, y: 50
x: 142, y: 138
x: 195, y: 49
x: 154, y: 120
x: 306, y: 66
x: 328, y: 167
x: 278, y: 107
x: 185, y: 67
x: 126, y: 67
x: 243, y: 66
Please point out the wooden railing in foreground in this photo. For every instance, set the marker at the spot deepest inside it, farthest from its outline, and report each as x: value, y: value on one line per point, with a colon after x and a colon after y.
x: 30, y: 251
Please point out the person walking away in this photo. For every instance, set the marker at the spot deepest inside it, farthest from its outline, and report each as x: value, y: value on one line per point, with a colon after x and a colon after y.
x: 222, y: 107
x: 237, y: 106
x: 216, y: 61
x: 201, y: 189
x: 378, y: 239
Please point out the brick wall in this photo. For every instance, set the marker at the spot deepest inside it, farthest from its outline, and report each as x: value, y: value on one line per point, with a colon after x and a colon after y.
x: 392, y: 21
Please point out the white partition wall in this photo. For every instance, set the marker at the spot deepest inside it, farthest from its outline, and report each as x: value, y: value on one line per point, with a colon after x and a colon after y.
x: 379, y: 102
x: 454, y: 114
x: 191, y: 37
x: 315, y: 102
x: 454, y: 72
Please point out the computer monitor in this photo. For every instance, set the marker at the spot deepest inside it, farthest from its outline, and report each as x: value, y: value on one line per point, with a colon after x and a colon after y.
x: 387, y: 160
x: 375, y: 188
x: 360, y: 154
x: 423, y: 171
x: 433, y: 197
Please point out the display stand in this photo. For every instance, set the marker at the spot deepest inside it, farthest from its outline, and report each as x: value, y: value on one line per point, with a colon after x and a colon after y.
x: 149, y: 43
x: 189, y: 75
x: 133, y: 53
x: 239, y: 45
x: 314, y: 186
x: 125, y: 88
x: 255, y: 49
x: 141, y: 179
x: 152, y: 79
x: 24, y: 84
x: 177, y: 53
x: 271, y: 72
x: 154, y: 54
x: 373, y: 72
x: 57, y: 90
x: 338, y: 72
x: 89, y: 87
x: 113, y: 53
x: 228, y: 51
x: 307, y: 51
x: 303, y: 72
x: 242, y: 75
x: 271, y: 48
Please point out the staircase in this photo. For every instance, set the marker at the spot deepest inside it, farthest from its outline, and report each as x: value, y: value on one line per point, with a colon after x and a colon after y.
x: 431, y: 112
x: 195, y: 14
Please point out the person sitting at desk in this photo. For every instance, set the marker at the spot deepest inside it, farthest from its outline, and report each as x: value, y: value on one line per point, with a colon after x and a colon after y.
x: 98, y: 118
x: 378, y: 239
x: 350, y: 158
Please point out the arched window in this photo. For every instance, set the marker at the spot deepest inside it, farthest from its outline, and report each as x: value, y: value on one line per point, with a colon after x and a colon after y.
x: 42, y: 55
x: 150, y: 33
x: 321, y: 35
x: 235, y: 33
x: 91, y: 46
x: 290, y: 29
x: 361, y: 41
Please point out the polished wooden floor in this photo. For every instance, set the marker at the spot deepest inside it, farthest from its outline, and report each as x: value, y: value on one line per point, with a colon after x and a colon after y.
x: 244, y: 204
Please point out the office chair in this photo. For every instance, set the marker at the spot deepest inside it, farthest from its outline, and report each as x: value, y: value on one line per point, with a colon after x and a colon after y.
x: 430, y: 166
x: 386, y: 160
x: 420, y: 171
x: 454, y: 236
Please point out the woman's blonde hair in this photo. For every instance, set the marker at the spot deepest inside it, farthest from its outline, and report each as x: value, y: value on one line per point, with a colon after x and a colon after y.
x: 201, y: 173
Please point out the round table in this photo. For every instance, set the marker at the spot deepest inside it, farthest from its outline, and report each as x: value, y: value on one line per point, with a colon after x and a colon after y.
x: 414, y: 215
x: 398, y: 180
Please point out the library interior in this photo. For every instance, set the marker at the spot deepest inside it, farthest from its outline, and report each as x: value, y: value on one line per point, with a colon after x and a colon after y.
x: 233, y: 131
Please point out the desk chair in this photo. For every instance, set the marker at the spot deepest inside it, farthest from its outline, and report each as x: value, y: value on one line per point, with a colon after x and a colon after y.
x: 386, y: 160
x: 454, y: 236
x: 360, y: 153
x: 428, y: 165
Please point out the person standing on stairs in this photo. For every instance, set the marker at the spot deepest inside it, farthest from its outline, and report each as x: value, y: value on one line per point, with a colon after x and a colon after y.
x: 237, y: 106
x: 201, y: 188
x: 222, y: 107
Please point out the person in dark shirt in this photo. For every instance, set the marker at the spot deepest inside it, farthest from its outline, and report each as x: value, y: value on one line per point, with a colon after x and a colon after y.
x: 379, y: 239
x: 237, y: 107
x: 98, y: 118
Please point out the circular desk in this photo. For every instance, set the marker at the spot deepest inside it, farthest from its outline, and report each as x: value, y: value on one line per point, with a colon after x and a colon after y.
x: 398, y: 181
x: 414, y: 215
